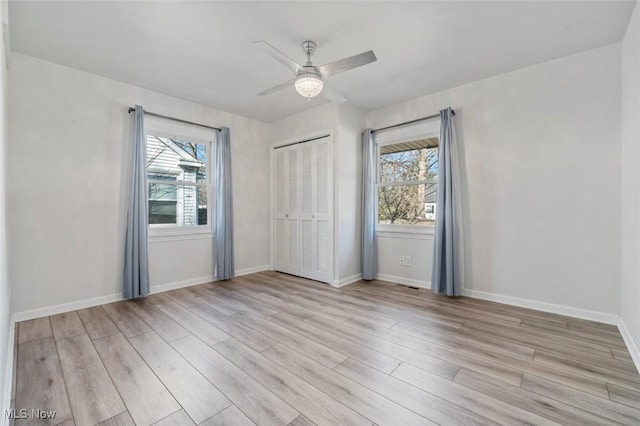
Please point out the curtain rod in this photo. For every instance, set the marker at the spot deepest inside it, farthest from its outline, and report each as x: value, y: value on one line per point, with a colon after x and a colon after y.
x: 410, y: 122
x: 304, y: 141
x: 175, y: 119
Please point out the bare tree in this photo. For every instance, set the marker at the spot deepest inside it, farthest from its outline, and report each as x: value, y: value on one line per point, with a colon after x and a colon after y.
x: 401, y: 200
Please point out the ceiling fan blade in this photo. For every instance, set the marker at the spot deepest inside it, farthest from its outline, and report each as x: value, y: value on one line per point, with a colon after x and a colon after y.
x: 347, y: 64
x: 331, y: 93
x: 278, y: 55
x: 288, y: 83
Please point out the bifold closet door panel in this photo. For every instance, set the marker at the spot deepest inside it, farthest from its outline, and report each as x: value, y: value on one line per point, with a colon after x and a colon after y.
x: 302, y: 192
x: 307, y: 208
x: 279, y: 189
x: 286, y: 193
x: 316, y: 241
x: 322, y: 179
x: 323, y: 231
x: 292, y: 215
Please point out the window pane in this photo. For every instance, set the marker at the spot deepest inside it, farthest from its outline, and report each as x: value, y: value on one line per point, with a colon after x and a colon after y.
x: 202, y: 205
x: 188, y: 205
x: 407, y: 204
x: 159, y: 191
x: 174, y: 161
x: 162, y: 212
x: 408, y: 165
x: 180, y: 205
x: 185, y: 160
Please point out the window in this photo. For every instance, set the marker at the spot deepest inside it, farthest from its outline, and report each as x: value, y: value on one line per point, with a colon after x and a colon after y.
x: 178, y: 175
x: 408, y: 182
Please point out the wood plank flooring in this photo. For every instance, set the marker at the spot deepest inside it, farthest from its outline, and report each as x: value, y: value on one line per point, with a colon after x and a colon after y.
x: 273, y: 349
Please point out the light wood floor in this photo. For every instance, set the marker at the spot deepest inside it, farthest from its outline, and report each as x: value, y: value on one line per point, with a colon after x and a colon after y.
x: 270, y: 349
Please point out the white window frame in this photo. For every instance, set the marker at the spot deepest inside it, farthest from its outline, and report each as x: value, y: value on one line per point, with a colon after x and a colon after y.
x: 420, y: 131
x: 162, y: 231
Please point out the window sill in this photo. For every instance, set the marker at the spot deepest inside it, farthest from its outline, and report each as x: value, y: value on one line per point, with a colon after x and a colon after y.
x: 405, y: 231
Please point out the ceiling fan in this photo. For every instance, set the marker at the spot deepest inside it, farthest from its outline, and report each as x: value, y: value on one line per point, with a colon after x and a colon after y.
x: 309, y: 79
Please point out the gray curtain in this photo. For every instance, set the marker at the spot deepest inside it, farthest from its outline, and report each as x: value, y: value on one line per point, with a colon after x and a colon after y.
x: 369, y: 255
x: 445, y: 274
x: 224, y: 207
x: 136, y: 265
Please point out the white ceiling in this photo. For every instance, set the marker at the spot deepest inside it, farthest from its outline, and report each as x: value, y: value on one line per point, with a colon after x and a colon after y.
x: 202, y: 51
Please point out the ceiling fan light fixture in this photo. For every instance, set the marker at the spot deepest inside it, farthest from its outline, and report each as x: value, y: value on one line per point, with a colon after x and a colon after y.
x: 309, y: 85
x: 308, y: 77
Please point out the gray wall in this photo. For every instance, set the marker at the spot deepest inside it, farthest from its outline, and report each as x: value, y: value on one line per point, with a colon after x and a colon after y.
x: 5, y: 293
x: 66, y: 187
x: 630, y: 297
x: 541, y: 183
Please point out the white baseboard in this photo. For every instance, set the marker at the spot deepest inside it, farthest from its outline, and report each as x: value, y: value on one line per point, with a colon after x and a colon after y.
x: 253, y: 270
x: 101, y: 300
x: 631, y: 344
x: 553, y: 308
x: 346, y: 281
x: 394, y: 279
x: 66, y: 307
x: 515, y: 301
x: 5, y: 404
x: 181, y: 284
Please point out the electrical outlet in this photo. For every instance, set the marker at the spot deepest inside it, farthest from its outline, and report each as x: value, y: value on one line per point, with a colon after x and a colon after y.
x: 407, y: 260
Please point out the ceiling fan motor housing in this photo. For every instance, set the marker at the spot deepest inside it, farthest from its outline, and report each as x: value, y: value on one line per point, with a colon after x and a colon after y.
x: 309, y: 47
x: 309, y: 71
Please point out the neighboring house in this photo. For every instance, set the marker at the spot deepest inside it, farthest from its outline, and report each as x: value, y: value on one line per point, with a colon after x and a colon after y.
x: 171, y: 165
x: 430, y: 209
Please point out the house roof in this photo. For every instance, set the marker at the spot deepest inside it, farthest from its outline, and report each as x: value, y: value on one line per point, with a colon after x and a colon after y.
x: 406, y: 146
x: 165, y: 155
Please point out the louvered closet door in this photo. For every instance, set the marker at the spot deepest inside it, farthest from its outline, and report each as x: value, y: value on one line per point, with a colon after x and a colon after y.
x: 303, y: 236
x: 280, y: 209
x: 292, y: 214
x: 286, y: 193
x: 323, y: 206
x: 307, y: 188
x: 315, y: 226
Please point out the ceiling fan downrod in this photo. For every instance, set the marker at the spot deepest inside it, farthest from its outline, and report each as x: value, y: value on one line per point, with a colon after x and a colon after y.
x: 308, y: 48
